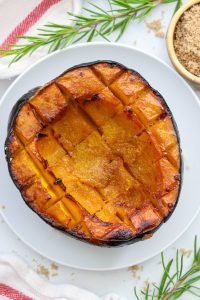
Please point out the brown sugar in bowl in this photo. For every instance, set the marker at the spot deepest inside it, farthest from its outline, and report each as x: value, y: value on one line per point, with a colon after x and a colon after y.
x: 170, y: 43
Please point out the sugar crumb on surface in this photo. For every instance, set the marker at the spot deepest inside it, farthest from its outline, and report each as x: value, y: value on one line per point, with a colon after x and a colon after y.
x: 2, y: 206
x: 185, y: 252
x: 54, y: 266
x: 160, y: 34
x: 44, y: 271
x: 149, y: 284
x: 47, y: 272
x: 136, y: 270
x: 156, y: 26
x: 187, y: 40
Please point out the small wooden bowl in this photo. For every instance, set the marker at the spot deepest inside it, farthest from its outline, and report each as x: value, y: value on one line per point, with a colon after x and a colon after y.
x: 170, y: 43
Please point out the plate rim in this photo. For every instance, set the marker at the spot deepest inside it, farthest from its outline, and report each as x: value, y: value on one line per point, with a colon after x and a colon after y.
x: 119, y: 45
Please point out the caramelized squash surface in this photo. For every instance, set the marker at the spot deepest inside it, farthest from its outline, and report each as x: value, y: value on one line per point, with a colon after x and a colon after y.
x: 95, y: 153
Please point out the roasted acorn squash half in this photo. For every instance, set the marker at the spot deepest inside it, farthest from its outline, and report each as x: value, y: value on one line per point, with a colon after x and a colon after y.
x: 96, y: 153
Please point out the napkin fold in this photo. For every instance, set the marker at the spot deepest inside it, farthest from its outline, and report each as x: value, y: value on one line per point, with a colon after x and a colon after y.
x: 19, y: 282
x: 22, y: 17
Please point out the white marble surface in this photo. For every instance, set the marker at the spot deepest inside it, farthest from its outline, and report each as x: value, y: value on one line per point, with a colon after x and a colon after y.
x: 122, y: 281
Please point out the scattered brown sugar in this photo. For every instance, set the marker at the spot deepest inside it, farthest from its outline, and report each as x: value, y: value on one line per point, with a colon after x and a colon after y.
x: 2, y: 206
x: 160, y: 34
x: 186, y: 252
x: 47, y: 272
x: 187, y: 40
x: 42, y: 270
x: 54, y: 266
x: 156, y: 26
x: 135, y: 270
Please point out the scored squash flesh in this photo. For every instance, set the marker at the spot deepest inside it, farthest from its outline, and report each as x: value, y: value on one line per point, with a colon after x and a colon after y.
x: 95, y: 153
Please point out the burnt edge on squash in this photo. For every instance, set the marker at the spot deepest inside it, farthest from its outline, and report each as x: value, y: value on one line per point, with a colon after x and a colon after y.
x: 120, y: 234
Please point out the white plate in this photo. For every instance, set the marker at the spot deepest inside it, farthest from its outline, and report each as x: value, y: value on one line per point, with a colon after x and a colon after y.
x: 185, y: 107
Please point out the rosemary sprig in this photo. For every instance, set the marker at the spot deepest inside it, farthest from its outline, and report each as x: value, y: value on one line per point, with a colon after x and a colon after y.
x: 95, y: 22
x: 174, y: 284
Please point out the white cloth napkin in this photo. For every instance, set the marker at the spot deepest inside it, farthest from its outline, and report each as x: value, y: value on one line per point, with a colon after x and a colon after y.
x: 19, y: 281
x: 32, y: 14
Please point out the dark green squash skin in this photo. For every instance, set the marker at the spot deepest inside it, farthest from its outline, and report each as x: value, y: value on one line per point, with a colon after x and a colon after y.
x: 122, y: 239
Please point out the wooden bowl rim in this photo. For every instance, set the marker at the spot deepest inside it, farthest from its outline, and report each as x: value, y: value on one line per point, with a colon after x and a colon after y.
x: 170, y: 43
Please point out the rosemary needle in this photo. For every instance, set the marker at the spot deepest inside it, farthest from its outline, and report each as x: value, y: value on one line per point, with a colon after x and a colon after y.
x: 95, y: 22
x: 174, y: 284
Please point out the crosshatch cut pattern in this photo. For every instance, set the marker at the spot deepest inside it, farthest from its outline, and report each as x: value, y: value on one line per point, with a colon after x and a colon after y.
x: 95, y: 153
